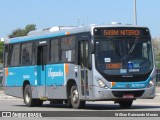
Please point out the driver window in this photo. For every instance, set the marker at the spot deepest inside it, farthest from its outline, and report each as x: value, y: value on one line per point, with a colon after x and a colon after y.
x: 144, y: 50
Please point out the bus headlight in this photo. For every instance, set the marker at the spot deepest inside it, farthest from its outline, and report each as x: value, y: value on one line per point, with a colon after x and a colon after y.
x: 101, y: 83
x: 151, y: 84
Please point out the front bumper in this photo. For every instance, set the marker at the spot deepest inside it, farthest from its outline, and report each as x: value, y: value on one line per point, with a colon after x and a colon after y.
x: 116, y: 94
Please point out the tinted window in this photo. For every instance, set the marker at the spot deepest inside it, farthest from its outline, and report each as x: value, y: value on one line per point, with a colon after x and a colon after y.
x: 6, y: 56
x: 10, y: 50
x: 54, y: 52
x: 33, y: 54
x: 26, y: 54
x: 68, y: 49
x: 15, y: 53
x: 124, y: 56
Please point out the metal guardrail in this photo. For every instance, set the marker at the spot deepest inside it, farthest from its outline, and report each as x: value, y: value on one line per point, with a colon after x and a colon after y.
x: 158, y: 75
x: 158, y: 79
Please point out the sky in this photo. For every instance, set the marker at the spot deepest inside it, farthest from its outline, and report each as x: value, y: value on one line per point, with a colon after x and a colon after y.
x: 48, y: 13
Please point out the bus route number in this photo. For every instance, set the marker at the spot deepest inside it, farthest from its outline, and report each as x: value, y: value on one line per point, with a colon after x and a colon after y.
x: 114, y: 66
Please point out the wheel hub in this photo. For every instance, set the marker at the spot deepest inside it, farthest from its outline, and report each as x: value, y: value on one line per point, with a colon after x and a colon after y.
x: 27, y: 97
x: 75, y: 96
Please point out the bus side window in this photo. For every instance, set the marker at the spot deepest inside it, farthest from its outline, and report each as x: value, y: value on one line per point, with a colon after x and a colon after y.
x: 6, y: 56
x: 15, y: 55
x: 54, y: 51
x: 10, y: 50
x: 68, y: 49
x: 26, y: 54
x: 33, y: 53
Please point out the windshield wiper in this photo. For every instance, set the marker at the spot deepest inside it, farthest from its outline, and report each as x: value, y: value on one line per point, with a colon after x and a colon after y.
x: 133, y: 47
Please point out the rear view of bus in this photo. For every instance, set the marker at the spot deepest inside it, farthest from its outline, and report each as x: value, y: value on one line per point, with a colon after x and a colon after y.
x: 124, y: 69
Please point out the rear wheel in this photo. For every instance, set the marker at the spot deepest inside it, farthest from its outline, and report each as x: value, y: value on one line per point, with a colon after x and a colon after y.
x: 75, y: 101
x: 125, y: 104
x: 28, y: 100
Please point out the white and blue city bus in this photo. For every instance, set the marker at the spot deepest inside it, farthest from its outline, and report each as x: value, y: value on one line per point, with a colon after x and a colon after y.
x: 73, y: 65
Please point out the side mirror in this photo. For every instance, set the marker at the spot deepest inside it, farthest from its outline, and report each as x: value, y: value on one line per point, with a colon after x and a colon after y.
x: 92, y: 47
x: 91, y: 51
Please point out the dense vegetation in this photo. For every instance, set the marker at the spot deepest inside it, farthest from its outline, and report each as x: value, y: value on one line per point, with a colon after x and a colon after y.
x: 22, y: 32
x: 156, y: 48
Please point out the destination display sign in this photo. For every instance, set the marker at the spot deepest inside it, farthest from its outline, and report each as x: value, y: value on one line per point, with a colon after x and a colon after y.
x: 120, y: 31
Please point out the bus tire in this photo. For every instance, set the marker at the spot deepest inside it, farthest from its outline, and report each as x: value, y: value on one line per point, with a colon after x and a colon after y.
x: 75, y: 101
x: 28, y: 100
x: 125, y: 104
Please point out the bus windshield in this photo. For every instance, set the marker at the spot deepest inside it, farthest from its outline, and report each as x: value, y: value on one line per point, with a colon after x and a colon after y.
x: 123, y: 56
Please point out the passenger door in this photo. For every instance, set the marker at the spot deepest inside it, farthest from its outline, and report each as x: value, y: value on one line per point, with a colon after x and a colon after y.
x: 41, y: 69
x: 83, y: 46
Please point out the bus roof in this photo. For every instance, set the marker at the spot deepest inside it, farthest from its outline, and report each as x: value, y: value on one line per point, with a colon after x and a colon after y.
x: 60, y: 31
x: 49, y: 33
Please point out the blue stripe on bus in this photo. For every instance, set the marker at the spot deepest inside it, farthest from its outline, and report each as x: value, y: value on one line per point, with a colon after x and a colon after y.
x: 53, y: 74
x: 17, y: 75
x: 131, y: 85
x: 30, y: 38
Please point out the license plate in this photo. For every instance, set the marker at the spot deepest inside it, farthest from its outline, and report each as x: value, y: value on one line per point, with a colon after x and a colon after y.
x: 128, y: 96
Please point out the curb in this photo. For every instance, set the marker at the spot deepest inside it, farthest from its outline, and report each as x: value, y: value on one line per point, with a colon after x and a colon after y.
x: 4, y: 96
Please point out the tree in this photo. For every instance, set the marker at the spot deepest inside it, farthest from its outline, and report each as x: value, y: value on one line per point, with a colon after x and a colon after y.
x: 156, y: 48
x: 30, y: 27
x: 22, y: 32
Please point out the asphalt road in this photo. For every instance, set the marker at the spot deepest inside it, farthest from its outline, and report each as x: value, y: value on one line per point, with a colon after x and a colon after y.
x: 141, y: 104
x: 148, y: 105
x: 90, y: 111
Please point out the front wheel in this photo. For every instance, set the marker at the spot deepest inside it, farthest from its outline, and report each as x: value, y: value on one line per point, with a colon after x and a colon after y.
x: 125, y: 104
x: 75, y: 101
